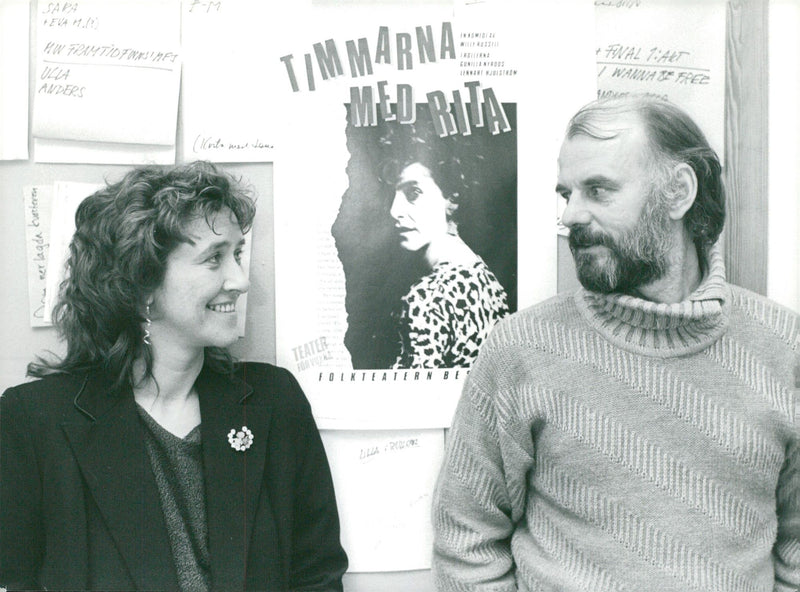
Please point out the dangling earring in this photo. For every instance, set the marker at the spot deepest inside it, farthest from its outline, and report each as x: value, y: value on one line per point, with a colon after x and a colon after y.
x: 147, y: 324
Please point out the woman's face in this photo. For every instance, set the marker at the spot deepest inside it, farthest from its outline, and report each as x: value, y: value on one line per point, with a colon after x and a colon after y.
x: 195, y: 306
x: 419, y: 209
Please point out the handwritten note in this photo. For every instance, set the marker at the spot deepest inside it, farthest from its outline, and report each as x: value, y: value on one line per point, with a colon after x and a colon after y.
x: 14, y: 42
x: 227, y: 111
x: 674, y: 49
x: 38, y: 202
x: 384, y: 484
x: 107, y: 71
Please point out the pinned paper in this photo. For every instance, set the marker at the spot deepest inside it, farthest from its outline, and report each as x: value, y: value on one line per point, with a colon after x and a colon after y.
x: 384, y: 487
x: 66, y: 151
x: 673, y: 49
x: 107, y: 71
x: 14, y: 44
x: 38, y: 202
x: 227, y: 108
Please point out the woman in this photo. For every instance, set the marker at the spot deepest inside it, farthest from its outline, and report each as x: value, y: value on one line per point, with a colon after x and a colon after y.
x: 448, y: 312
x: 146, y: 459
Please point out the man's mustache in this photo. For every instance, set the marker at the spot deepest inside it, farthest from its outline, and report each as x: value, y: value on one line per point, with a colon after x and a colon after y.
x: 580, y: 237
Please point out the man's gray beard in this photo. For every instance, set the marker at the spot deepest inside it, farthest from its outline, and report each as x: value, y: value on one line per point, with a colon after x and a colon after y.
x: 639, y: 257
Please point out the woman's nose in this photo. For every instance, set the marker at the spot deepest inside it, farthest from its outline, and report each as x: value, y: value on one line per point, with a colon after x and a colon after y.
x: 397, y: 209
x: 236, y: 279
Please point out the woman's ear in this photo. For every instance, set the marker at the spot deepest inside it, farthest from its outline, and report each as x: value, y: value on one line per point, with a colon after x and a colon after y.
x: 148, y: 302
x: 684, y: 185
x: 450, y: 210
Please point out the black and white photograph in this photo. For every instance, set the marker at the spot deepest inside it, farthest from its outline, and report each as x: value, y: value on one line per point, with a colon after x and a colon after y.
x: 427, y: 210
x: 400, y: 295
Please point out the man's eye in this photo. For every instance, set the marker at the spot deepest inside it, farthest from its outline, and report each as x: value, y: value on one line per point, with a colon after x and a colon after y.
x: 215, y: 258
x: 238, y: 255
x: 597, y: 191
x: 564, y: 195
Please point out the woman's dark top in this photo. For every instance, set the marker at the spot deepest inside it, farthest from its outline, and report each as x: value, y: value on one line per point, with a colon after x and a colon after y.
x: 81, y: 507
x: 178, y: 468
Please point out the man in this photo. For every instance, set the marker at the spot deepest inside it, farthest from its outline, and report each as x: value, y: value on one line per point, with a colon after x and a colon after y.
x: 643, y: 433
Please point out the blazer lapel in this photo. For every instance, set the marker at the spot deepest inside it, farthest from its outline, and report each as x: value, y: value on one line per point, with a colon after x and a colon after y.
x: 111, y: 453
x: 232, y: 478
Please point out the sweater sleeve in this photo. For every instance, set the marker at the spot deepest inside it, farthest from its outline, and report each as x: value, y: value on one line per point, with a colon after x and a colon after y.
x: 21, y: 531
x: 480, y: 493
x: 786, y: 553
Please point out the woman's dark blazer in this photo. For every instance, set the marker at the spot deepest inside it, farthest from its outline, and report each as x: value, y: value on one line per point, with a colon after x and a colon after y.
x: 80, y: 509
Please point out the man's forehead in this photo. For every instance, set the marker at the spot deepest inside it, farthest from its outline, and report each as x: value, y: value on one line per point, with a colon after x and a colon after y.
x: 625, y: 141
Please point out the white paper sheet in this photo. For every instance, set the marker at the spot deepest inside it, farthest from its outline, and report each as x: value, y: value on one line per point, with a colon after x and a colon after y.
x: 107, y: 71
x: 38, y: 201
x: 384, y: 485
x: 227, y: 111
x: 674, y: 49
x: 71, y: 151
x: 14, y: 51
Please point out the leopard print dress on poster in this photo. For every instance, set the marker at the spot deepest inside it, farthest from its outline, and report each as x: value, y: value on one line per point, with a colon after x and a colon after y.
x: 447, y: 314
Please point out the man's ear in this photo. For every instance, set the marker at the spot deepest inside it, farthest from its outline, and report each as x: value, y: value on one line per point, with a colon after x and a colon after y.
x: 684, y: 184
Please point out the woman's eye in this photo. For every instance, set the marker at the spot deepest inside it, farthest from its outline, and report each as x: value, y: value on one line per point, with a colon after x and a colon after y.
x: 238, y: 255
x: 215, y: 258
x: 413, y: 193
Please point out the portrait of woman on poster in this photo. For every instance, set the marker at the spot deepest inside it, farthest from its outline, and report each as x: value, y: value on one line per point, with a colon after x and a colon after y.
x: 448, y: 312
x: 146, y: 458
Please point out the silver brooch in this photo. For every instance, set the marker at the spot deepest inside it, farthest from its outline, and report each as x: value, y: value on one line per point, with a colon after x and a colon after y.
x: 241, y: 439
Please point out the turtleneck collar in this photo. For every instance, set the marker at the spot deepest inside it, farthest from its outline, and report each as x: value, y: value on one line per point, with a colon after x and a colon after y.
x: 663, y: 329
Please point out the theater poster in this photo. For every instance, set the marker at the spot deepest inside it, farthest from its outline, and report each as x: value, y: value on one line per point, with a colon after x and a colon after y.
x: 414, y: 175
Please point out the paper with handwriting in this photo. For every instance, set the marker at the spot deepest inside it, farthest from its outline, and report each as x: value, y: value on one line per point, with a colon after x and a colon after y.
x: 227, y: 111
x: 107, y: 71
x: 674, y: 49
x: 38, y: 201
x: 384, y: 486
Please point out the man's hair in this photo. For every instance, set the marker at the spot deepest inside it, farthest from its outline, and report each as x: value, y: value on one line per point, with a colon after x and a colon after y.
x: 673, y: 138
x: 118, y: 257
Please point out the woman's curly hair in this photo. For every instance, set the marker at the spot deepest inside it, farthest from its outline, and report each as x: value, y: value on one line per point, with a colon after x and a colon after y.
x: 453, y: 161
x: 118, y: 257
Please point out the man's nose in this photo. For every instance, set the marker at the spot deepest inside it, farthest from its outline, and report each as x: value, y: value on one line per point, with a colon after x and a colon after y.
x: 576, y: 211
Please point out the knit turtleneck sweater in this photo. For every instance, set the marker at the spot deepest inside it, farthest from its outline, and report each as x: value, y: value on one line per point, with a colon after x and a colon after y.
x: 604, y: 442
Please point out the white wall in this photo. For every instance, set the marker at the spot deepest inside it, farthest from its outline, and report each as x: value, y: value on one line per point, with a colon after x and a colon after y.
x: 783, y: 269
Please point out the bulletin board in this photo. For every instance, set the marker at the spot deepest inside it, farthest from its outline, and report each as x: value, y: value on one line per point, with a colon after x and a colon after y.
x: 244, y: 137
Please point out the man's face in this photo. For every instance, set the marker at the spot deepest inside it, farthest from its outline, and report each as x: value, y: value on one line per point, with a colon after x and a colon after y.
x: 620, y: 233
